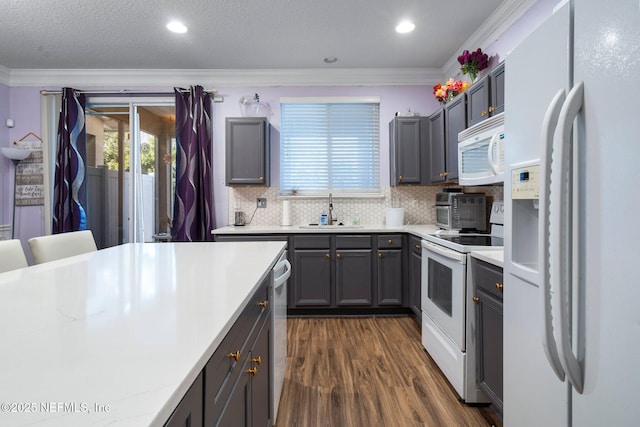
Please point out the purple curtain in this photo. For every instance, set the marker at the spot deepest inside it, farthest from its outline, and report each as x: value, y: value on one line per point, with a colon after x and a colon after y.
x: 69, y: 189
x: 193, y: 206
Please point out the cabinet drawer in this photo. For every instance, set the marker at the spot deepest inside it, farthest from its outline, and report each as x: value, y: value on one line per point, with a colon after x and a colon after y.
x: 353, y: 242
x: 390, y: 241
x: 489, y: 278
x: 312, y: 242
x: 415, y: 245
x: 222, y: 368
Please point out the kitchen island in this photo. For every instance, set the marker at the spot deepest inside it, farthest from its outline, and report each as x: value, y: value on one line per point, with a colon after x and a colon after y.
x: 116, y: 337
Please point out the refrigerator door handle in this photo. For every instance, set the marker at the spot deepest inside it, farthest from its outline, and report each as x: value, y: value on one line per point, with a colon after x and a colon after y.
x: 549, y: 125
x: 562, y: 273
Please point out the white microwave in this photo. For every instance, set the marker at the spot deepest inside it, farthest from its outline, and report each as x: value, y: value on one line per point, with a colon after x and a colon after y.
x: 481, y: 152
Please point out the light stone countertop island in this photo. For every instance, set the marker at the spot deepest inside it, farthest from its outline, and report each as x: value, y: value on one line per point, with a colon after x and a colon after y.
x: 117, y: 336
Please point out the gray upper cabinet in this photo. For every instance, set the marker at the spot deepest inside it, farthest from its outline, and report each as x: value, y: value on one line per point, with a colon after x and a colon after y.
x: 407, y: 143
x: 497, y: 90
x: 437, y: 165
x: 486, y: 97
x: 247, y: 151
x: 455, y: 122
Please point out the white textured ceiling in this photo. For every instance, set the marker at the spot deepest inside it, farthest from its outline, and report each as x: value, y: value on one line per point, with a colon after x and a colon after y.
x: 234, y: 34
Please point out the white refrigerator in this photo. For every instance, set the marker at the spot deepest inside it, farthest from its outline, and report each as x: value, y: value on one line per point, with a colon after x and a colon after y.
x: 572, y: 199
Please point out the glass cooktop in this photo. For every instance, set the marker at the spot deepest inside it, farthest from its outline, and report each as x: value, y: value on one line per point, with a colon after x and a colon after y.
x: 472, y: 239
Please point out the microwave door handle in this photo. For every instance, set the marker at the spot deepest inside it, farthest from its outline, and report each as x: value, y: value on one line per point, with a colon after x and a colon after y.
x: 492, y: 161
x: 549, y: 125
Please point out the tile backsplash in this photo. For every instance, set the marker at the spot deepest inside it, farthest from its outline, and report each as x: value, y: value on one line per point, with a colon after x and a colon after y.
x: 418, y: 202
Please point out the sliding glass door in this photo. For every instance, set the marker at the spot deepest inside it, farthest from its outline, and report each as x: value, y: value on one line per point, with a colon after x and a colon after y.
x: 130, y: 169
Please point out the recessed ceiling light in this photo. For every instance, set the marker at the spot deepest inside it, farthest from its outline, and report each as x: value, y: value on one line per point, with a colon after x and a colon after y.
x: 176, y: 27
x: 330, y: 59
x: 405, y: 27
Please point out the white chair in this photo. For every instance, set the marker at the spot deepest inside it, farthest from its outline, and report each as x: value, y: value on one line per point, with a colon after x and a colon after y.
x: 11, y: 255
x: 63, y: 245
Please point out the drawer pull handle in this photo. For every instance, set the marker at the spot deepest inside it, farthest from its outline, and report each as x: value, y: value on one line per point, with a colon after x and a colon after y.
x: 257, y: 360
x: 476, y: 299
x: 252, y: 371
x: 235, y: 356
x: 262, y: 178
x: 499, y: 286
x: 327, y: 256
x: 338, y: 256
x: 418, y: 247
x: 263, y: 304
x: 389, y: 241
x: 491, y: 109
x: 379, y: 255
x: 400, y: 178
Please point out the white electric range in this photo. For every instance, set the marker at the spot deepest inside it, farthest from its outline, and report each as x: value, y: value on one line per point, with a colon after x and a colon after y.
x: 445, y: 257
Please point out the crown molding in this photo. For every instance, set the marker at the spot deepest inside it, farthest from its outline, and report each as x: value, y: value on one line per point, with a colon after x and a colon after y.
x: 500, y: 20
x: 5, y: 76
x: 227, y: 78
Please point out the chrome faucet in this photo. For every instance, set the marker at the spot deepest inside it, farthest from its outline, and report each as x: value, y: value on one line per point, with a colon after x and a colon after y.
x: 331, y: 219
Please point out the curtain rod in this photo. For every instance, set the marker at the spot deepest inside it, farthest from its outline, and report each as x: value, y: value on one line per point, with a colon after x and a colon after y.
x: 216, y: 98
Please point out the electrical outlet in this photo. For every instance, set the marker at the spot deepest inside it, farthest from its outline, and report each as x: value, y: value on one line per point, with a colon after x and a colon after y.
x: 262, y: 202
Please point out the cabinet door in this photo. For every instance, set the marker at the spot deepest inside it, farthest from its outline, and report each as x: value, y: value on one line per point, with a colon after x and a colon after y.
x: 353, y: 277
x: 260, y: 382
x: 405, y: 142
x: 437, y: 166
x: 415, y: 276
x: 190, y: 409
x: 497, y: 90
x: 478, y: 101
x: 237, y: 410
x: 247, y: 151
x: 455, y: 122
x: 312, y: 278
x: 489, y: 338
x: 390, y: 277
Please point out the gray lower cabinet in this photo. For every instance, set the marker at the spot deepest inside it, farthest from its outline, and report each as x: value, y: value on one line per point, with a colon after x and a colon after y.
x: 353, y: 277
x: 415, y: 276
x: 190, y: 409
x: 247, y: 151
x: 312, y: 277
x: 489, y: 330
x: 389, y: 266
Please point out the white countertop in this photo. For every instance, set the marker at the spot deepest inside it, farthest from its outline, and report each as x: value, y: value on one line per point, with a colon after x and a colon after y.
x: 418, y: 230
x: 128, y: 328
x: 495, y: 257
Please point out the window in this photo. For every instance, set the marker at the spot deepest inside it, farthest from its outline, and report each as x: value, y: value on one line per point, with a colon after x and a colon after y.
x: 329, y: 146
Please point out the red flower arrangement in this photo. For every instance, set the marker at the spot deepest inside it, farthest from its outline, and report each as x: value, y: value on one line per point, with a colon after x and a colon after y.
x: 472, y: 63
x: 446, y: 92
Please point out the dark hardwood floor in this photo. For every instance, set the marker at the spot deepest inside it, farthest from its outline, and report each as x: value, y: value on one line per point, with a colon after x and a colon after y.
x: 367, y: 372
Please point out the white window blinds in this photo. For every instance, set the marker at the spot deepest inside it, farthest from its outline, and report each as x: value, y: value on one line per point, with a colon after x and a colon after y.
x: 328, y: 146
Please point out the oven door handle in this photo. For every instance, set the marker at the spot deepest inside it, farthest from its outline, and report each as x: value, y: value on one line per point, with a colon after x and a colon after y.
x: 447, y: 253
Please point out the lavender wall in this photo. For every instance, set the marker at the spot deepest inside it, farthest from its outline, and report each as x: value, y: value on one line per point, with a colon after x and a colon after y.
x: 25, y: 111
x: 5, y: 164
x: 392, y: 99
